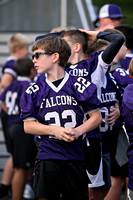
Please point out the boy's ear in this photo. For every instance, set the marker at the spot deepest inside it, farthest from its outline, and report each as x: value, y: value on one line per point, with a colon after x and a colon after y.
x: 77, y: 47
x: 56, y: 57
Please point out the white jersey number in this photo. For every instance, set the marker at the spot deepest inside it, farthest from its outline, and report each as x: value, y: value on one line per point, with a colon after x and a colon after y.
x: 32, y: 89
x: 104, y: 126
x: 82, y: 84
x: 10, y: 103
x: 57, y: 121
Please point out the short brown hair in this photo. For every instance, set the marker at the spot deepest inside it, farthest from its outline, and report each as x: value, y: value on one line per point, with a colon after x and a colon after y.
x: 76, y: 36
x: 23, y: 66
x: 17, y: 40
x: 113, y: 30
x: 54, y: 44
x: 100, y: 44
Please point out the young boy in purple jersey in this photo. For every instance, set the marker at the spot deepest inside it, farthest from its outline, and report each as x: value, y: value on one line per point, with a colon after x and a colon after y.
x: 110, y: 95
x: 127, y: 115
x: 53, y: 110
x: 21, y: 146
x: 95, y: 67
x: 118, y: 171
x: 18, y: 46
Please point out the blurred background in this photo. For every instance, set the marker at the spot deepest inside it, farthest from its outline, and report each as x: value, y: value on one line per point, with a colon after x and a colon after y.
x: 44, y: 15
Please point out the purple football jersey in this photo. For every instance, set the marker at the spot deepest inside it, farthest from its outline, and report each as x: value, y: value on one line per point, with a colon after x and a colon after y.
x: 11, y: 97
x: 122, y: 77
x: 110, y: 93
x: 94, y: 68
x: 9, y: 66
x: 127, y: 114
x: 64, y: 106
x: 125, y: 63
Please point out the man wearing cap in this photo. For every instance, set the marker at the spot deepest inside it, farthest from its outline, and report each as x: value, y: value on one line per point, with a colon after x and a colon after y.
x: 110, y: 16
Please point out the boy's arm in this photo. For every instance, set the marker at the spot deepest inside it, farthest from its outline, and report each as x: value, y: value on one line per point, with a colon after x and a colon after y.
x: 66, y: 134
x: 93, y: 122
x: 106, y: 57
x: 116, y: 41
x: 36, y: 128
x: 6, y: 81
x: 3, y: 107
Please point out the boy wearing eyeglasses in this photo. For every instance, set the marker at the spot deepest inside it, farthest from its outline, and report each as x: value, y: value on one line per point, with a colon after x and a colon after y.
x: 53, y: 110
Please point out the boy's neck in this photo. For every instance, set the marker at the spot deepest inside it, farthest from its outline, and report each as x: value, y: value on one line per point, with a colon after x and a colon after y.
x: 56, y: 75
x: 14, y: 55
x: 77, y: 58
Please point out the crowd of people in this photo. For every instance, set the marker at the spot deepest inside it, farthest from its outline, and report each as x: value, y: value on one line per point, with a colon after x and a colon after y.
x: 67, y: 113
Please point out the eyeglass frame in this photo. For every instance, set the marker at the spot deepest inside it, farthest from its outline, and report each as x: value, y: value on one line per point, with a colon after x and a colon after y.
x: 37, y: 54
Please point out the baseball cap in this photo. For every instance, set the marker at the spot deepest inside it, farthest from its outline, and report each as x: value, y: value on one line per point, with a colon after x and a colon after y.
x: 128, y: 96
x: 111, y: 11
x: 48, y: 34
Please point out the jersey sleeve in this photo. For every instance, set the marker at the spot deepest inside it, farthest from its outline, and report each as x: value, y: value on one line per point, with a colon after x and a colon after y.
x: 9, y: 68
x: 98, y: 76
x: 86, y: 93
x: 122, y: 77
x: 29, y: 101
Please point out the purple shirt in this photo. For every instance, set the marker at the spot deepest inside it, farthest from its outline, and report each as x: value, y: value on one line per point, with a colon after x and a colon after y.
x: 93, y: 68
x: 11, y: 97
x: 64, y: 105
x: 110, y: 93
x: 125, y: 63
x: 122, y: 77
x: 127, y: 114
x: 9, y: 66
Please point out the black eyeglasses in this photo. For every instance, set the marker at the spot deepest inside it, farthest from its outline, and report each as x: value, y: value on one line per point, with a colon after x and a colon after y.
x: 37, y: 54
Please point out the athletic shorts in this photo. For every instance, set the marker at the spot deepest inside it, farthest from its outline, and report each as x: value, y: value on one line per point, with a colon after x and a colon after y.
x: 4, y: 123
x: 116, y: 169
x: 93, y: 161
x: 57, y: 179
x: 22, y: 146
x: 106, y: 172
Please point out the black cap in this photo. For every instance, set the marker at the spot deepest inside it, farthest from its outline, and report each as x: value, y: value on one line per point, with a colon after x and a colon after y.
x: 48, y: 34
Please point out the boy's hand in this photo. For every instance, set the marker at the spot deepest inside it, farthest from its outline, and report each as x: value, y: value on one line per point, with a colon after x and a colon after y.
x: 66, y: 134
x: 92, y: 35
x: 72, y: 132
x: 113, y: 116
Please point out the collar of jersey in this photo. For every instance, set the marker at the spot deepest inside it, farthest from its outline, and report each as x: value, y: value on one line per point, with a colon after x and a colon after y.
x: 57, y: 89
x: 72, y: 66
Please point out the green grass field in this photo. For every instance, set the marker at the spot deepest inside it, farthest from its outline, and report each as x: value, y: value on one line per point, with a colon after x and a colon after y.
x: 125, y: 5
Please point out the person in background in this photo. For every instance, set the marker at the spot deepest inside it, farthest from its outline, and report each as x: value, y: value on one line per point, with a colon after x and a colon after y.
x: 18, y: 46
x: 119, y: 160
x: 21, y: 146
x: 109, y: 16
x: 127, y: 115
x: 95, y: 67
x: 127, y: 30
